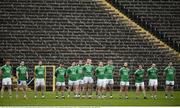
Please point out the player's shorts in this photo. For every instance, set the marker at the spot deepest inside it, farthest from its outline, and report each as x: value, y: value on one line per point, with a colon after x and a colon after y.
x: 141, y: 84
x: 60, y: 83
x: 109, y: 81
x: 80, y: 81
x: 153, y: 82
x: 6, y: 81
x: 171, y: 83
x: 72, y: 83
x: 101, y: 83
x: 88, y: 80
x: 20, y: 83
x: 40, y: 82
x: 123, y: 83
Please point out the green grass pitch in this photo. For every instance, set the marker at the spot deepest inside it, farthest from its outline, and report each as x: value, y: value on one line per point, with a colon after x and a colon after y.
x: 50, y: 100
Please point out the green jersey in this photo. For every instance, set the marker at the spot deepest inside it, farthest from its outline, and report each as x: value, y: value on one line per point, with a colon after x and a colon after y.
x: 124, y: 73
x: 40, y: 71
x: 60, y: 72
x: 152, y: 73
x: 79, y: 72
x: 6, y: 71
x: 170, y: 72
x: 109, y: 71
x: 100, y: 72
x: 139, y: 75
x: 72, y: 73
x: 22, y: 71
x: 88, y: 70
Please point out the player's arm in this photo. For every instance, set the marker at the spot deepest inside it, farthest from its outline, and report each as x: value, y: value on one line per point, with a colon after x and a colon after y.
x: 35, y: 73
x: 56, y: 72
x: 119, y: 74
x: 11, y: 72
x: 27, y: 76
x: 134, y: 75
x: 147, y: 73
x: 17, y: 73
x: 94, y: 70
x: 67, y: 73
x: 1, y: 72
x: 174, y: 74
x: 164, y: 73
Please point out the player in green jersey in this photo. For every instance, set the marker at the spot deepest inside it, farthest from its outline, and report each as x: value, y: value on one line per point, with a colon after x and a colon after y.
x: 60, y: 80
x: 109, y: 71
x: 72, y: 80
x: 124, y: 77
x: 88, y: 71
x: 80, y: 77
x: 101, y: 83
x: 39, y: 79
x: 22, y: 76
x: 139, y: 81
x: 6, y: 72
x: 153, y: 80
x: 169, y: 73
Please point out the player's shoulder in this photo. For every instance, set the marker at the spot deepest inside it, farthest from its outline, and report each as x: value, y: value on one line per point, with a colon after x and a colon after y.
x: 4, y: 66
x: 17, y: 67
x: 149, y: 69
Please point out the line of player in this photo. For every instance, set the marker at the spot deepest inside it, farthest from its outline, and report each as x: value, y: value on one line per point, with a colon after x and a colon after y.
x: 80, y: 79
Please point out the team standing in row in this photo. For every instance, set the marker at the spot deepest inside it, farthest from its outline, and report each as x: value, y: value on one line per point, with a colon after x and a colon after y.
x: 80, y: 79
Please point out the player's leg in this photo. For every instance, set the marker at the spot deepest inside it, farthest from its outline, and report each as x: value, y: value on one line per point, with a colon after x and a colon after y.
x: 80, y: 88
x: 137, y: 90
x: 9, y: 91
x: 121, y: 89
x: 9, y: 83
x: 151, y: 91
x: 42, y: 84
x: 172, y: 89
x: 99, y: 88
x: 155, y: 89
x: 143, y: 90
x: 166, y: 89
x: 151, y: 88
x: 2, y: 90
x: 36, y: 87
x: 103, y: 91
x: 4, y: 83
x: 75, y: 86
x: 62, y: 90
x: 155, y: 92
x: 57, y: 89
x: 126, y: 91
x: 89, y: 90
x: 90, y: 87
x: 70, y: 85
x: 111, y: 83
x: 84, y: 87
x: 18, y: 86
x: 24, y: 89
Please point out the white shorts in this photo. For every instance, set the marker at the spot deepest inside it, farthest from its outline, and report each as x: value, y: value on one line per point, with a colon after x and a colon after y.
x: 6, y: 81
x: 141, y: 84
x: 153, y: 82
x: 20, y: 83
x: 169, y: 82
x: 123, y: 83
x: 101, y: 83
x: 40, y: 82
x: 60, y: 83
x: 80, y: 81
x: 71, y: 83
x: 109, y: 81
x: 88, y: 80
